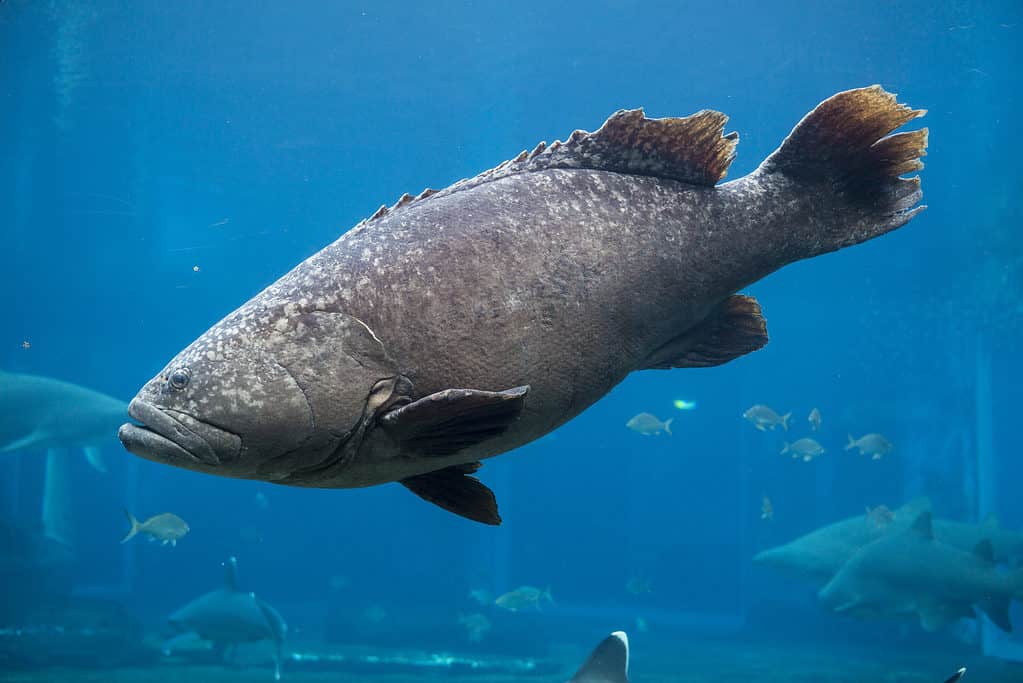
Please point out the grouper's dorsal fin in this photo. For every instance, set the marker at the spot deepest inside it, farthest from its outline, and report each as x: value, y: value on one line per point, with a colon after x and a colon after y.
x: 691, y: 149
x: 231, y: 574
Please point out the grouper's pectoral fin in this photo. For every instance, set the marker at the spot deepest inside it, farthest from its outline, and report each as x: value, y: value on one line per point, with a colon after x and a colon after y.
x: 735, y: 328
x: 456, y: 490
x: 448, y: 421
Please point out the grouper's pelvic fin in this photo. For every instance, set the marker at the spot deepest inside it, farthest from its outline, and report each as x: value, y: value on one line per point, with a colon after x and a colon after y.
x: 846, y: 158
x: 455, y: 490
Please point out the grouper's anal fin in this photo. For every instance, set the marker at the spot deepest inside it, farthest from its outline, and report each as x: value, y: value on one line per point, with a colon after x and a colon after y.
x: 446, y: 422
x: 609, y: 662
x: 733, y: 329
x: 456, y: 490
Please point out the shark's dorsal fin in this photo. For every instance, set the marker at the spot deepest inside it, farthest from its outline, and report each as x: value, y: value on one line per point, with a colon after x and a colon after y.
x: 609, y: 662
x: 957, y: 676
x: 985, y: 551
x: 922, y: 525
x: 231, y: 574
x: 691, y: 149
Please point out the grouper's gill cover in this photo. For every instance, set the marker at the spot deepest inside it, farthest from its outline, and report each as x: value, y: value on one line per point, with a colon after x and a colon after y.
x: 252, y: 389
x: 462, y: 323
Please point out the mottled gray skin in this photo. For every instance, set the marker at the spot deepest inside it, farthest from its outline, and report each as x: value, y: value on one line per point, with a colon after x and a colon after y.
x: 562, y: 280
x: 505, y: 285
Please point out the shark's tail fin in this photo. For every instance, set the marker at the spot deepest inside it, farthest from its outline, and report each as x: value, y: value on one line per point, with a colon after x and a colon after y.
x: 135, y: 526
x: 546, y: 597
x: 1016, y: 577
x: 997, y: 610
x: 996, y: 607
x: 844, y: 158
x: 609, y: 663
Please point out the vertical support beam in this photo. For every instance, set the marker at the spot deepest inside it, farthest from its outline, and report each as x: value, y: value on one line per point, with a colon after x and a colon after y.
x: 58, y: 523
x: 984, y: 449
x: 993, y: 642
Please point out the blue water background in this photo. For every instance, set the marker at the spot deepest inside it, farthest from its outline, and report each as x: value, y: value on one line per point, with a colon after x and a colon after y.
x: 141, y: 140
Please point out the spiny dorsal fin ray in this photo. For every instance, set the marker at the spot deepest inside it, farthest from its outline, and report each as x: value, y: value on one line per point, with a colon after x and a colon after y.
x: 691, y: 149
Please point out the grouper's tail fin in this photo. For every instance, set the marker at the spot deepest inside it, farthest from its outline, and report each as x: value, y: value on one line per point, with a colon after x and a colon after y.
x: 844, y: 155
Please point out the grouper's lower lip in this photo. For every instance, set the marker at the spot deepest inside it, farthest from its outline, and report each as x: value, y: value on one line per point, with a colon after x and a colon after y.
x: 162, y: 438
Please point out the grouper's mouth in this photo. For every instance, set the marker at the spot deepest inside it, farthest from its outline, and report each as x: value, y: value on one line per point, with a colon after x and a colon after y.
x: 175, y: 438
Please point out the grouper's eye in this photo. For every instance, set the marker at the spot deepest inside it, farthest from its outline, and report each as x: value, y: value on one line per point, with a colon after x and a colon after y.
x: 179, y: 379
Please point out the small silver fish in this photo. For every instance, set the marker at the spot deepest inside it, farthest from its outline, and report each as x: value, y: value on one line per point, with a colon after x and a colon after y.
x: 805, y: 448
x: 165, y: 527
x: 638, y: 585
x: 649, y: 425
x: 815, y: 420
x: 374, y: 614
x: 476, y: 626
x: 880, y: 516
x: 763, y: 418
x: 873, y: 444
x: 523, y: 597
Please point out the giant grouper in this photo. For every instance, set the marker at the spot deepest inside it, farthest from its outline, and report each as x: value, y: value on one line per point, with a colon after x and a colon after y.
x: 462, y: 323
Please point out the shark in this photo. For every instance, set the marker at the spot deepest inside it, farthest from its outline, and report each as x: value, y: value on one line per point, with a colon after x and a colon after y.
x: 908, y: 572
x: 822, y: 552
x: 609, y: 663
x: 228, y: 617
x: 50, y: 414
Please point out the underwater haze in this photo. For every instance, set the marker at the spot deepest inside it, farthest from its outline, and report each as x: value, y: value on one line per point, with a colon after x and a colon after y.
x: 840, y: 505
